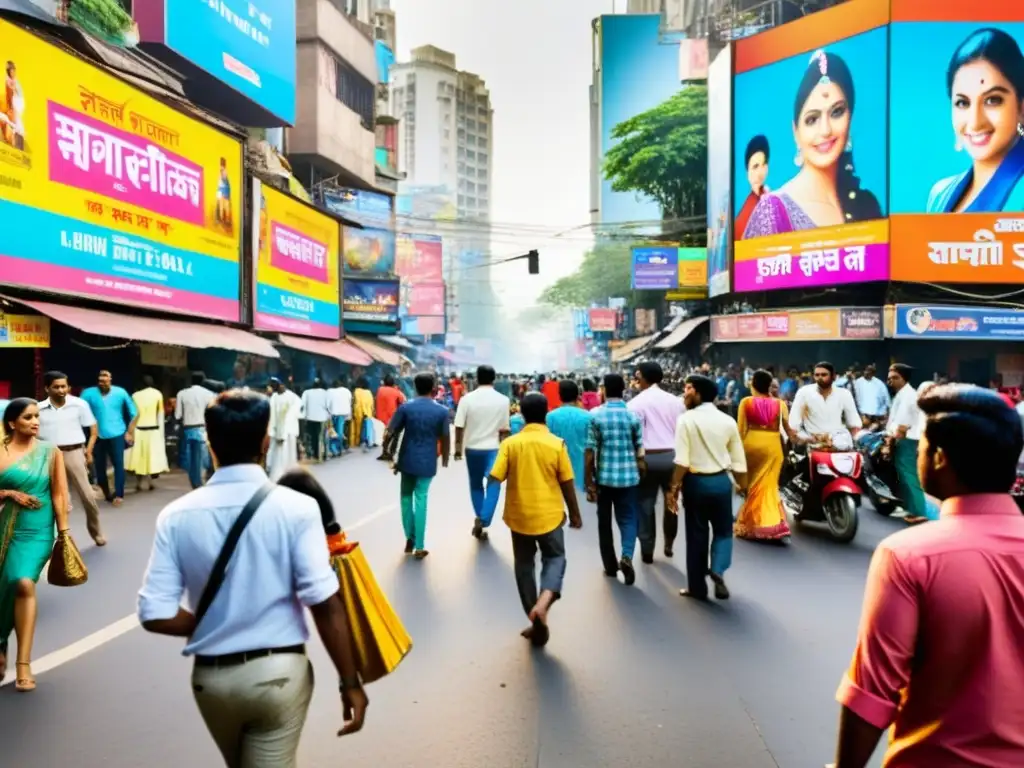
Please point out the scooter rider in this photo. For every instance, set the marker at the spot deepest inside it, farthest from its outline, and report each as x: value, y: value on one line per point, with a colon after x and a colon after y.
x: 820, y: 410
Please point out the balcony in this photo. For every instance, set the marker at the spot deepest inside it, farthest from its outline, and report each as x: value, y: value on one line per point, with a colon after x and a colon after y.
x: 345, y: 35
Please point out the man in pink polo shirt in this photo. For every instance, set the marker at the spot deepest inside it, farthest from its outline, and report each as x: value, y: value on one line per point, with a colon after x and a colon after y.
x: 940, y: 651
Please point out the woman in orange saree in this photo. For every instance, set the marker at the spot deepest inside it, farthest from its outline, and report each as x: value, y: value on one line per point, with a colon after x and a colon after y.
x: 761, y: 419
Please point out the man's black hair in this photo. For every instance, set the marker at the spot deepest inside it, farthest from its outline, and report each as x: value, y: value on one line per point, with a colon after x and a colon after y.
x: 236, y: 427
x: 425, y: 384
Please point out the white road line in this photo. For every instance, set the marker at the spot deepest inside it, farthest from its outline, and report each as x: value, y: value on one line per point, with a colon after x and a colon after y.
x: 123, y: 626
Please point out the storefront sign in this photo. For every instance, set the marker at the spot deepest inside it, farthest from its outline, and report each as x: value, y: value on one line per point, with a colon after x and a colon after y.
x: 655, y: 268
x: 108, y: 193
x: 980, y: 323
x: 372, y: 301
x: 163, y: 356
x: 693, y: 268
x: 295, y: 258
x: 832, y: 324
x: 603, y: 320
x: 31, y: 331
x: 249, y: 46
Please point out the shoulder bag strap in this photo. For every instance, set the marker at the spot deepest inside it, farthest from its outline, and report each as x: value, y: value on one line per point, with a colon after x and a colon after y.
x: 220, y: 566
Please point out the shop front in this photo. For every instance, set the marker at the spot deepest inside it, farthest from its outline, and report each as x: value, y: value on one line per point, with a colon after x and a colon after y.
x: 23, y: 341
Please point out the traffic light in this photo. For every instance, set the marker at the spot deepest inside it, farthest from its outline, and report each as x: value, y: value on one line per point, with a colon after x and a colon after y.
x: 533, y: 262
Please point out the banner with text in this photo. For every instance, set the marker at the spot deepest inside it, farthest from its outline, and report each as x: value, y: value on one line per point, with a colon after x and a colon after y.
x: 831, y: 324
x: 914, y: 321
x: 603, y: 320
x: 370, y: 301
x: 426, y: 300
x: 26, y: 331
x: 108, y: 193
x: 296, y: 250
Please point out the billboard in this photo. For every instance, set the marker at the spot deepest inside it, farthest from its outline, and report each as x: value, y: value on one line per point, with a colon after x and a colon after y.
x: 296, y: 262
x: 249, y: 47
x: 639, y: 70
x: 810, y: 101
x: 719, y: 205
x: 371, y: 209
x: 914, y: 321
x: 370, y: 301
x: 426, y: 300
x: 693, y: 269
x: 957, y: 180
x: 419, y: 258
x: 368, y: 252
x: 655, y: 268
x: 603, y: 320
x: 830, y: 324
x: 31, y: 331
x: 110, y: 194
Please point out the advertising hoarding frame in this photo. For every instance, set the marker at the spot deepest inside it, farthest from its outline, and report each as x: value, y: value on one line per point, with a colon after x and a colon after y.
x: 390, y: 320
x: 947, y: 322
x: 808, y: 324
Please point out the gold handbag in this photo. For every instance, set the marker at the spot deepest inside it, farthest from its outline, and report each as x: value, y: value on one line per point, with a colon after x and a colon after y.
x: 380, y: 639
x: 67, y: 568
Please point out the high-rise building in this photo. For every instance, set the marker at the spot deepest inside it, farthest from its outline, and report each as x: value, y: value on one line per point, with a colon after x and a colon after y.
x: 644, y: 6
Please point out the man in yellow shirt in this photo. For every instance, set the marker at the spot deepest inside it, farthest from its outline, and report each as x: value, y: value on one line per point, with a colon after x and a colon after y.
x: 540, y: 486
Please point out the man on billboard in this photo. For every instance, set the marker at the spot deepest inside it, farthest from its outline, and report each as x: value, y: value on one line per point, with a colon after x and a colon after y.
x: 756, y: 158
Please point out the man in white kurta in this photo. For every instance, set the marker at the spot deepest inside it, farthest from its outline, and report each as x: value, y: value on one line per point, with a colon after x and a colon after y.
x: 285, y: 411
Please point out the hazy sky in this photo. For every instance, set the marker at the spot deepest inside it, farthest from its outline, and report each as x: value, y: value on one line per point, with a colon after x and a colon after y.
x: 535, y: 56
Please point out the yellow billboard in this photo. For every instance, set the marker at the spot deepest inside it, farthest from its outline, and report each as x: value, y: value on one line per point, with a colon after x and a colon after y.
x: 109, y: 193
x: 297, y: 259
x: 32, y: 331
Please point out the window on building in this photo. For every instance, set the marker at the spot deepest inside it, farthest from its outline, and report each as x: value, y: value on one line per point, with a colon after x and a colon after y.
x: 447, y: 133
x: 470, y: 155
x: 471, y: 141
x: 483, y: 143
x: 355, y: 92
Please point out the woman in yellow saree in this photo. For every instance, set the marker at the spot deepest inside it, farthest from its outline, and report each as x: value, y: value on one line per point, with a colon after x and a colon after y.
x: 362, y: 412
x: 761, y: 419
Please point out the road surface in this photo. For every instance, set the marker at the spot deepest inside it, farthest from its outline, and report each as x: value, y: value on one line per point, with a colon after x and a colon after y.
x: 632, y: 675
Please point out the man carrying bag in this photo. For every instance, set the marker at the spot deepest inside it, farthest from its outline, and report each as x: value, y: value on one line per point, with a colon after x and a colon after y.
x: 248, y: 570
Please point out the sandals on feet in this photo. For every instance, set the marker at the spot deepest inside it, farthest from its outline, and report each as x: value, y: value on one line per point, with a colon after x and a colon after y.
x: 24, y: 684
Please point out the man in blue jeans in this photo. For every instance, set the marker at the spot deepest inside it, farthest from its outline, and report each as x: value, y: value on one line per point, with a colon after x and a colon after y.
x: 190, y: 409
x: 614, y: 462
x: 422, y: 426
x: 481, y: 423
x: 115, y: 414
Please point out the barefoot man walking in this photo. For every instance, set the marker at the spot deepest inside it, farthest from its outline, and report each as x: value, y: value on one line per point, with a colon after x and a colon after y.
x: 540, y: 487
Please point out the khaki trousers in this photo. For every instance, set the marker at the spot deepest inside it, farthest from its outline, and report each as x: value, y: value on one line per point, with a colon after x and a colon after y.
x: 255, y: 711
x: 77, y: 472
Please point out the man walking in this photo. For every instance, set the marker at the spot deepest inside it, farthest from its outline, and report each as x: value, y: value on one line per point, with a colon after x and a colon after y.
x: 614, y: 463
x: 540, y: 488
x: 190, y: 410
x: 659, y: 411
x: 115, y: 415
x: 64, y: 421
x: 422, y: 426
x: 902, y: 433
x: 481, y: 423
x: 285, y: 410
x: 244, y: 622
x: 872, y: 397
x: 572, y: 423
x: 316, y: 410
x: 340, y: 401
x: 708, y: 448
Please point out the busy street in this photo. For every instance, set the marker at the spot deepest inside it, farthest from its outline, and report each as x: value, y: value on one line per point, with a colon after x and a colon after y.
x: 630, y: 676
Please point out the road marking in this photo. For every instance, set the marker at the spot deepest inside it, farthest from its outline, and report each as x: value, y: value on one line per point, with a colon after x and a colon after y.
x: 123, y: 626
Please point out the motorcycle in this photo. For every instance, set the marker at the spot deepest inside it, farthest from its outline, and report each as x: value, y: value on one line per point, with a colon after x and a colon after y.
x: 821, y: 484
x: 878, y: 479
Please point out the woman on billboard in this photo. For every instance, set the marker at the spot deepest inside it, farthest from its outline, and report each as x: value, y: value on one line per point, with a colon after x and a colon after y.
x: 985, y: 80
x: 826, y: 191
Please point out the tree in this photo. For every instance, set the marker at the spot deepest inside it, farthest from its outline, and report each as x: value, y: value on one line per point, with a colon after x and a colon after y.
x: 663, y: 153
x: 604, y: 273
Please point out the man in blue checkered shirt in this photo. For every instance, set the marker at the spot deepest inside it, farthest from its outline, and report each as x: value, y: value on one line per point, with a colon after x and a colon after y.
x: 614, y: 462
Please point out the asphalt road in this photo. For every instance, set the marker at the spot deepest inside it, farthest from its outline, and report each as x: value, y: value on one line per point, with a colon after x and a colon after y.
x: 632, y: 675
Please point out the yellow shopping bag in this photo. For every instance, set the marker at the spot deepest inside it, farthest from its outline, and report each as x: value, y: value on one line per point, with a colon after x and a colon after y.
x: 381, y: 641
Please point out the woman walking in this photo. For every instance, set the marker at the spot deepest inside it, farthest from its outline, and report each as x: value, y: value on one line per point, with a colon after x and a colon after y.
x: 761, y: 418
x: 362, y: 415
x: 33, y: 494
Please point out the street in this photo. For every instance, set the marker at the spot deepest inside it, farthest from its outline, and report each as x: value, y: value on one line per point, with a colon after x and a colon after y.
x: 632, y: 676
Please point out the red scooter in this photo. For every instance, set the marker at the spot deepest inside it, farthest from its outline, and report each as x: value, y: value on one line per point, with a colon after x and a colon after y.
x: 823, y: 486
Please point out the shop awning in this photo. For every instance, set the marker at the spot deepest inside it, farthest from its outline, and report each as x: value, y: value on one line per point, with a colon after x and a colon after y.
x: 630, y: 348
x: 337, y: 350
x: 682, y: 331
x: 397, y: 341
x: 175, y: 333
x: 378, y: 352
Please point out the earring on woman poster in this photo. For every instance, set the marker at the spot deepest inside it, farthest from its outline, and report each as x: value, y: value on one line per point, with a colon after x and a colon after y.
x: 849, y: 145
x: 1020, y: 129
x: 798, y: 161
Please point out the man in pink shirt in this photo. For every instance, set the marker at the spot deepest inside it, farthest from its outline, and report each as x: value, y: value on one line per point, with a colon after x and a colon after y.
x: 940, y: 651
x: 658, y: 411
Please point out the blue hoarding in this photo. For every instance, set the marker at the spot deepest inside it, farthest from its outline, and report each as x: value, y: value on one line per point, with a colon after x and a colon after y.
x: 915, y: 321
x: 655, y: 268
x: 371, y: 209
x: 250, y: 45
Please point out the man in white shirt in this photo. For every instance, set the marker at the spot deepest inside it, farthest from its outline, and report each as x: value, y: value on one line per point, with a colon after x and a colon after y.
x: 708, y: 449
x: 251, y: 678
x: 190, y: 410
x: 903, y: 432
x: 64, y: 421
x: 339, y: 401
x: 481, y: 423
x: 316, y: 410
x: 820, y: 410
x: 285, y: 411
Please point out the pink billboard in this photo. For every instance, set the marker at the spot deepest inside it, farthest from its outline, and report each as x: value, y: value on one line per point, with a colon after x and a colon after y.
x: 426, y: 300
x: 298, y: 254
x: 420, y: 259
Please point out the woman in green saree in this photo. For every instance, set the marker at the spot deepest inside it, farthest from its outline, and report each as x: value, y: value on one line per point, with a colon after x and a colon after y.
x: 33, y: 496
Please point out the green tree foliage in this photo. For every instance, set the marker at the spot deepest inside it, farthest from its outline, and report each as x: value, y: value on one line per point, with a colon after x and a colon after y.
x: 603, y: 274
x: 663, y: 153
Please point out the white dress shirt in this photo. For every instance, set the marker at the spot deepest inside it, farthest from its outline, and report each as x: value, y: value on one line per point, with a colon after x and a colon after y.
x: 281, y: 564
x: 191, y: 406
x: 905, y: 413
x: 285, y: 409
x: 482, y: 414
x: 67, y: 425
x: 813, y: 414
x: 316, y: 406
x: 708, y: 442
x: 340, y: 401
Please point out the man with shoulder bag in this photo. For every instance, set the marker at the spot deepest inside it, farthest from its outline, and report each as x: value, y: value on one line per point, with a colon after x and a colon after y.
x: 250, y: 555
